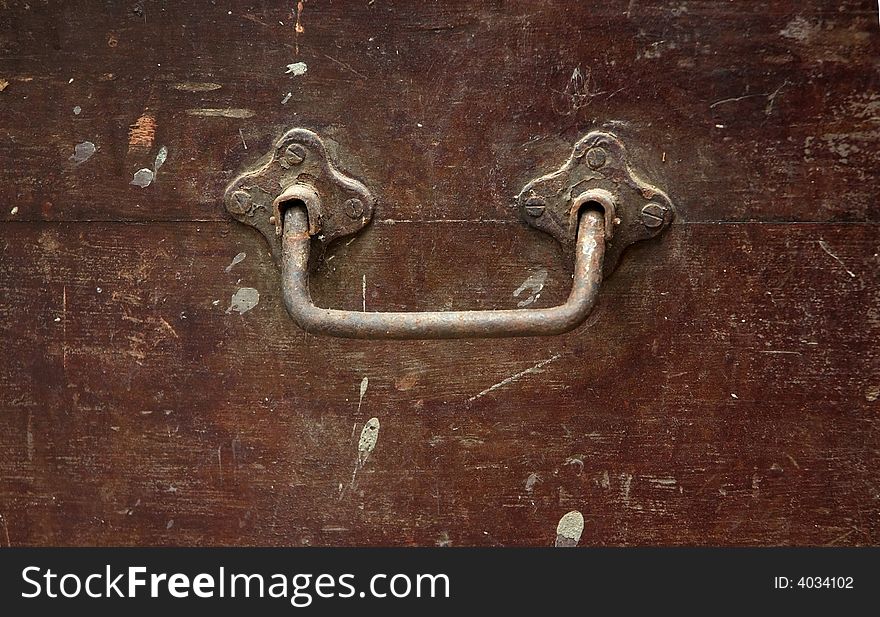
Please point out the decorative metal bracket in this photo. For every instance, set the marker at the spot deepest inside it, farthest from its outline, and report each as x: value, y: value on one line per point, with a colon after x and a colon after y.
x: 298, y: 169
x: 597, y: 172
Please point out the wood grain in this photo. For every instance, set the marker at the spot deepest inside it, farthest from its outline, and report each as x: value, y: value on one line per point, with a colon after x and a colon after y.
x: 743, y: 111
x: 725, y: 391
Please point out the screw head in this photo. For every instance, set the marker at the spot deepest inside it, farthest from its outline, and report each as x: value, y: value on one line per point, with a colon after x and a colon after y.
x: 241, y: 202
x: 294, y: 154
x: 653, y: 215
x: 535, y: 206
x: 596, y: 158
x: 354, y: 208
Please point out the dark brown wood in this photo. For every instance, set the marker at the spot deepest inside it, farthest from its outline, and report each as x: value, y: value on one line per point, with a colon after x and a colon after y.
x: 724, y: 391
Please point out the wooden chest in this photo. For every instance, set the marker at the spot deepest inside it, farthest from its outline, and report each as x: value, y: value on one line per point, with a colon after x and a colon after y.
x: 725, y: 388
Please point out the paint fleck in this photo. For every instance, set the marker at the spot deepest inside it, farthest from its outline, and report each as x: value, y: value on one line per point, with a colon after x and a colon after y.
x: 142, y: 178
x: 799, y: 29
x: 82, y: 152
x: 365, y: 382
x: 296, y: 69
x: 235, y: 261
x: 244, y: 300
x: 286, y: 98
x: 160, y: 159
x: 196, y: 86
x: 77, y: 110
x: 228, y: 112
x: 531, y: 481
x: 3, y: 84
x: 534, y: 284
x: 14, y: 211
x: 367, y: 442
x: 569, y: 529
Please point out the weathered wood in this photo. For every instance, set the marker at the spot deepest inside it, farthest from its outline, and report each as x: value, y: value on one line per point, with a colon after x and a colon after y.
x: 725, y: 390
x: 744, y: 111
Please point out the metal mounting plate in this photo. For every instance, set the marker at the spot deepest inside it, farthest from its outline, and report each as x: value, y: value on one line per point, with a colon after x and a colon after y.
x: 299, y: 159
x: 598, y: 166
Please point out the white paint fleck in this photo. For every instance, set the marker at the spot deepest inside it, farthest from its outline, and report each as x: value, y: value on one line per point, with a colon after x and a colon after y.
x: 235, y: 261
x: 243, y: 300
x: 366, y: 445
x: 569, y: 529
x: 734, y: 396
x: 77, y: 110
x: 14, y: 211
x: 160, y: 159
x: 364, y: 383
x: 533, y: 284
x: 534, y: 369
x: 531, y: 481
x: 286, y: 98
x: 367, y: 441
x: 364, y: 292
x: 798, y: 29
x: 142, y: 178
x: 82, y: 152
x: 296, y: 69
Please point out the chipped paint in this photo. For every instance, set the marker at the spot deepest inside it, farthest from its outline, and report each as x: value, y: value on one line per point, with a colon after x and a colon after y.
x: 14, y: 210
x: 533, y: 284
x: 77, y: 110
x: 228, y: 112
x: 142, y: 133
x: 243, y: 300
x: 142, y: 178
x: 235, y: 261
x: 296, y: 69
x: 569, y: 529
x: 82, y: 152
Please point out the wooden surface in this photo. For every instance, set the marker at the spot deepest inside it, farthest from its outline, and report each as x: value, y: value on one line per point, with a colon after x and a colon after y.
x: 726, y: 389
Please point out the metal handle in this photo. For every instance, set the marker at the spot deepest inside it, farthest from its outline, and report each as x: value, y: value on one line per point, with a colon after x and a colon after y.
x: 295, y: 242
x: 595, y: 204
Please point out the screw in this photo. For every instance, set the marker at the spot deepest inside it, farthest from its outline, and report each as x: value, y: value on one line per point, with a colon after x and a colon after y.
x: 535, y: 206
x: 241, y: 202
x: 653, y: 215
x: 596, y: 158
x: 295, y: 154
x: 354, y: 208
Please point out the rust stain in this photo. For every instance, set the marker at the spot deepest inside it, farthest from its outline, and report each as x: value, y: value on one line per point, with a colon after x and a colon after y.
x: 142, y: 133
x: 298, y: 28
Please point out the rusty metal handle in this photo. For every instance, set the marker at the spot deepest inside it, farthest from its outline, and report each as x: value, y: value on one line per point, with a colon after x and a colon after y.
x: 589, y: 254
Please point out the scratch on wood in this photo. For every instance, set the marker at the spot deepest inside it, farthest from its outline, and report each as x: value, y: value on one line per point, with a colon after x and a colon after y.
x: 228, y: 112
x: 345, y: 66
x: 825, y: 248
x: 504, y: 382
